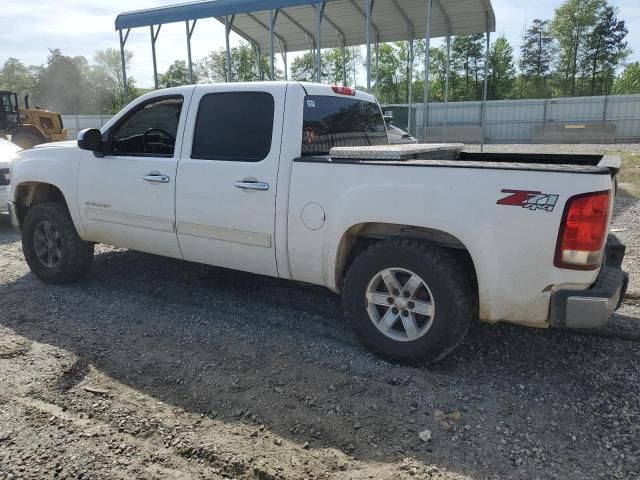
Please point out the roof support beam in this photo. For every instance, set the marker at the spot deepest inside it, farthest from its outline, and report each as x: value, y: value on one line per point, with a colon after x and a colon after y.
x: 296, y: 23
x: 189, y: 35
x: 335, y: 27
x: 405, y: 17
x: 363, y: 13
x: 265, y: 26
x: 154, y: 38
x: 123, y: 41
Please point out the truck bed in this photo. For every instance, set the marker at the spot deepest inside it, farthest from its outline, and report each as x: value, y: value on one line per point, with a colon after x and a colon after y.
x: 452, y: 156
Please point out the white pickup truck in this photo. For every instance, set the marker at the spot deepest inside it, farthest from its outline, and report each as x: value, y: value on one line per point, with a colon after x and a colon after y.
x: 296, y: 180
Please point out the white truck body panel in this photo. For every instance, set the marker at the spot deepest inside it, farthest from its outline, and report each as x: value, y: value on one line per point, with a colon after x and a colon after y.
x: 294, y: 229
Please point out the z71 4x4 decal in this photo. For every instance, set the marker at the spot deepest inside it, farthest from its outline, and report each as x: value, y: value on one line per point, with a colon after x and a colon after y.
x: 529, y: 199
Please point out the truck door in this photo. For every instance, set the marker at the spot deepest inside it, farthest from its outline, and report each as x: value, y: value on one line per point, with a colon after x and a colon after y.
x: 127, y: 197
x: 226, y: 182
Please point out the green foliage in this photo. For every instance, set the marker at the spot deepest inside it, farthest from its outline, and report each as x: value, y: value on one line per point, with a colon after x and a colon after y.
x: 70, y: 85
x: 468, y: 53
x: 572, y: 25
x: 628, y: 82
x: 246, y: 66
x: 176, y: 75
x: 537, y: 55
x: 502, y: 70
x: 303, y: 68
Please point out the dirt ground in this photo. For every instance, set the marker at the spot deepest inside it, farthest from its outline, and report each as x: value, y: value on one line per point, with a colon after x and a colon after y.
x: 152, y: 368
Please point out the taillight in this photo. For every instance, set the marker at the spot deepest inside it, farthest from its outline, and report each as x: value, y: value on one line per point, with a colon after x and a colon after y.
x: 343, y: 90
x: 583, y: 231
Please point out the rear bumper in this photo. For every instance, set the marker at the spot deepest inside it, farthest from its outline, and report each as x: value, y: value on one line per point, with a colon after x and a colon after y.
x: 591, y: 308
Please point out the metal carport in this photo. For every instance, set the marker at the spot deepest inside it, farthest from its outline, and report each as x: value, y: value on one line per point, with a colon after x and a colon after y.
x: 281, y: 26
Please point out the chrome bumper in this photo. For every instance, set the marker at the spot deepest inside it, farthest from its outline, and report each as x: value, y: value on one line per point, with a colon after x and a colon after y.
x: 13, y: 214
x: 591, y: 308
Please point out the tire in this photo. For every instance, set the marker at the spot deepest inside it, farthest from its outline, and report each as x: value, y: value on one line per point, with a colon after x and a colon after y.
x: 439, y: 316
x: 50, y: 224
x: 26, y: 139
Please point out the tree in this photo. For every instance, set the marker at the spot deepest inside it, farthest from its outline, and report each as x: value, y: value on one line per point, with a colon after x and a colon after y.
x: 467, y: 55
x: 389, y: 73
x: 107, y: 83
x: 628, y: 82
x: 333, y: 62
x: 17, y: 77
x: 245, y: 65
x: 303, y: 68
x: 537, y: 54
x: 572, y: 25
x: 605, y: 48
x: 177, y: 74
x: 502, y: 71
x: 63, y: 84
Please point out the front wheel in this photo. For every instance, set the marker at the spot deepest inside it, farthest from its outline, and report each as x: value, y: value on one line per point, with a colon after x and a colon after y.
x: 409, y: 301
x: 26, y: 139
x: 52, y: 248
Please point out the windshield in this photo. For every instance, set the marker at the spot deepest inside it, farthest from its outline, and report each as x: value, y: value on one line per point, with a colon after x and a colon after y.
x: 340, y: 122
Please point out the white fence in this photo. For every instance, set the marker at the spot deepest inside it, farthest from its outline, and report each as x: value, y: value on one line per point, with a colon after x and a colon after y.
x: 512, y: 121
x: 75, y: 123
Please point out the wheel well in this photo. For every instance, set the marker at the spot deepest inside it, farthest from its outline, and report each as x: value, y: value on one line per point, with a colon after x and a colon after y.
x: 29, y: 194
x: 360, y: 237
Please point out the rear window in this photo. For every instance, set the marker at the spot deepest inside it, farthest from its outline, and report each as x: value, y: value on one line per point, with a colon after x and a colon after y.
x: 340, y: 122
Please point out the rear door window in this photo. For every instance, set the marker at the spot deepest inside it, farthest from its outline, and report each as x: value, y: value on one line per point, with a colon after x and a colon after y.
x: 340, y: 122
x: 235, y: 126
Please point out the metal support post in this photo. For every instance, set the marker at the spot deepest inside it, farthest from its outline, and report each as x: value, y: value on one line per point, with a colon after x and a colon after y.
x: 427, y: 59
x: 410, y: 85
x: 486, y: 82
x: 446, y: 88
x: 369, y: 13
x: 154, y: 37
x: 228, y: 23
x: 319, y: 15
x: 272, y: 64
x: 123, y: 41
x: 189, y: 34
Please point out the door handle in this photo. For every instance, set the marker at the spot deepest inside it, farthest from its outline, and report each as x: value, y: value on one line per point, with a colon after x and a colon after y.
x: 156, y: 177
x: 247, y: 185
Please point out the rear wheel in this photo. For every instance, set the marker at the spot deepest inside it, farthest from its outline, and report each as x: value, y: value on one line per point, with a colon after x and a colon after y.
x: 26, y: 139
x: 52, y: 248
x: 409, y: 301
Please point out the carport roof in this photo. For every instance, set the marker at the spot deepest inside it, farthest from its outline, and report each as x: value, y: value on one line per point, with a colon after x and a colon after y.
x: 343, y: 23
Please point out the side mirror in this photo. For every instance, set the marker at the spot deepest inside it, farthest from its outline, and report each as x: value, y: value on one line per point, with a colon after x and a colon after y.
x: 90, y: 139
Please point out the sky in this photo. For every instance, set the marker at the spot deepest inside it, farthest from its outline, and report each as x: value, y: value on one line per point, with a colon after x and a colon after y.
x: 80, y: 27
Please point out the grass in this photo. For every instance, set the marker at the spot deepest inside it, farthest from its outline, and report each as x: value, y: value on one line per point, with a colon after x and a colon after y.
x: 629, y: 175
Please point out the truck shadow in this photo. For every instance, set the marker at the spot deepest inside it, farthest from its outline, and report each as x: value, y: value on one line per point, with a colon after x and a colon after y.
x: 212, y: 340
x: 7, y: 234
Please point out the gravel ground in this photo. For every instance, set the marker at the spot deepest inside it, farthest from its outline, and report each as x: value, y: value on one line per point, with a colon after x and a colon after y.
x: 154, y: 368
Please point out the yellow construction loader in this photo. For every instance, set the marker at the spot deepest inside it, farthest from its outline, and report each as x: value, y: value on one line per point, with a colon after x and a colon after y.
x: 26, y: 126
